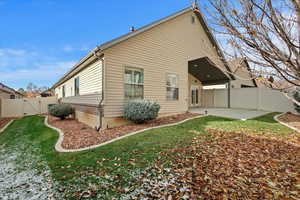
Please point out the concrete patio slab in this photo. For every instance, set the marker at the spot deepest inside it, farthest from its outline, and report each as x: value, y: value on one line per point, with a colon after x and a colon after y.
x: 233, y: 113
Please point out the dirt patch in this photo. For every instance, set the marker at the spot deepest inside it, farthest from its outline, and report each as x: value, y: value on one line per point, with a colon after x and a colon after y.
x: 78, y: 135
x: 4, y: 121
x: 227, y: 165
x: 291, y: 119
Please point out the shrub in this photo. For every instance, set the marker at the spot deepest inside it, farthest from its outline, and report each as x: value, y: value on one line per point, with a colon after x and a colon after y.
x: 61, y: 110
x: 140, y: 111
x: 297, y: 98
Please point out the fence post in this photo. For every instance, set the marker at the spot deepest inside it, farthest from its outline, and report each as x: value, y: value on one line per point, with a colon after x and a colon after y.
x: 214, y: 98
x: 228, y: 98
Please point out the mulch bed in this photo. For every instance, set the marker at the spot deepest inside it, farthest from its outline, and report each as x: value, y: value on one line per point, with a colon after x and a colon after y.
x: 230, y: 165
x: 291, y: 119
x: 78, y: 135
x: 4, y: 121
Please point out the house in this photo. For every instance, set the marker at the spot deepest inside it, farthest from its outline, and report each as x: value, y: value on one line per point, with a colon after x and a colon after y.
x: 168, y: 61
x: 243, y: 76
x: 242, y: 72
x: 47, y: 93
x: 9, y: 93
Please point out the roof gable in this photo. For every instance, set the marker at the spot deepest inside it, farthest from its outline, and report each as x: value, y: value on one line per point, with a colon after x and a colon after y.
x: 143, y: 29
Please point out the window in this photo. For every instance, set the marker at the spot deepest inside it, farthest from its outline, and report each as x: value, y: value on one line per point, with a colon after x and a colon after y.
x: 76, y: 86
x: 12, y: 96
x: 172, y: 86
x: 63, y: 91
x: 134, y: 83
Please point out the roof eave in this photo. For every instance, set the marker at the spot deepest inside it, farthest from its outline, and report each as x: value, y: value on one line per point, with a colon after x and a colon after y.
x: 117, y: 41
x: 77, y: 65
x: 213, y: 40
x: 143, y: 29
x: 120, y: 39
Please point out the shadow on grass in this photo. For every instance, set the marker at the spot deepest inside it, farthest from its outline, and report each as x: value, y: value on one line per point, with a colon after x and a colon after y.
x: 268, y: 118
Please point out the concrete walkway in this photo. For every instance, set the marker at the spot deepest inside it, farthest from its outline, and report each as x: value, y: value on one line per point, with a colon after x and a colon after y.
x: 242, y: 114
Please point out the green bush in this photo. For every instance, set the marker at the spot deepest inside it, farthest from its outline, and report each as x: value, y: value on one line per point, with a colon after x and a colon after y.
x: 140, y: 111
x: 297, y: 98
x: 61, y: 110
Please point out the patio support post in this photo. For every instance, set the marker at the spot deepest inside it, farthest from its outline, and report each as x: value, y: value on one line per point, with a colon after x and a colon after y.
x: 228, y: 87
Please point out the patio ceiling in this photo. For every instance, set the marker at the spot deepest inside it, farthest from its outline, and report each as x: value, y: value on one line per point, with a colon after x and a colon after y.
x: 207, y: 72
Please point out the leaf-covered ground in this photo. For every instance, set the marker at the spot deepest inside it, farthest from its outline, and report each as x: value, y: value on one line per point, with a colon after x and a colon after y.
x: 227, y: 165
x: 257, y: 157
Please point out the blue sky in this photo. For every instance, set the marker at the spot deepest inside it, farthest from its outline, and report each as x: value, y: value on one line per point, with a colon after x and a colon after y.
x: 42, y: 39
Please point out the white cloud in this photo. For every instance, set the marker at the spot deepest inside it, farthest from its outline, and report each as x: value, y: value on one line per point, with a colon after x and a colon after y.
x: 46, y: 72
x: 16, y: 57
x: 28, y: 66
x: 16, y: 52
x: 69, y: 48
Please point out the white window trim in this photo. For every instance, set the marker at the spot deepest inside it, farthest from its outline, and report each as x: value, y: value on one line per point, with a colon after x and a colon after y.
x: 176, y: 86
x: 63, y: 91
x: 127, y: 67
x: 75, y: 86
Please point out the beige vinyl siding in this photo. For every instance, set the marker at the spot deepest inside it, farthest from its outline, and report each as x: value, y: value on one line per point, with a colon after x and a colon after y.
x: 89, y: 99
x: 4, y: 95
x: 7, y: 95
x: 166, y: 48
x: 243, y: 76
x: 90, y: 84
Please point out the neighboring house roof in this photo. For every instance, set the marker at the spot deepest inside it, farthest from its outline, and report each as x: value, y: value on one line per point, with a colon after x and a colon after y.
x: 122, y: 38
x: 277, y: 84
x: 238, y: 69
x: 9, y: 90
x: 48, y: 92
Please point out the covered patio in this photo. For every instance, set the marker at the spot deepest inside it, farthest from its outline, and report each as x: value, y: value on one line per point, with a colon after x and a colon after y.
x: 205, y: 71
x: 233, y: 113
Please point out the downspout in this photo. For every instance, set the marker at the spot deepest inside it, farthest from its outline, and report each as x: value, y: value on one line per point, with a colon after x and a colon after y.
x: 100, y: 107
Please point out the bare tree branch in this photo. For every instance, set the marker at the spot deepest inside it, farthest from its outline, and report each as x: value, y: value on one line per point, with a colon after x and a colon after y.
x: 265, y: 32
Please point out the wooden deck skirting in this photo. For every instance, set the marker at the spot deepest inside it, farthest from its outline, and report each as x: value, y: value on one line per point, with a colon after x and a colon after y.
x: 276, y: 118
x: 59, y: 148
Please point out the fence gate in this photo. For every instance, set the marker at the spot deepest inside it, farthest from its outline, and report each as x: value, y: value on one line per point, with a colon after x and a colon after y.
x: 31, y: 107
x: 25, y: 107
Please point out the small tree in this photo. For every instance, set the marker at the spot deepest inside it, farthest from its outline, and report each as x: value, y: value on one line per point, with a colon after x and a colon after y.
x: 61, y: 111
x: 297, y: 98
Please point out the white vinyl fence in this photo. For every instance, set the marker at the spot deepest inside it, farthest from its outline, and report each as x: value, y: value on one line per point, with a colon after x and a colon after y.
x: 248, y: 98
x: 25, y: 106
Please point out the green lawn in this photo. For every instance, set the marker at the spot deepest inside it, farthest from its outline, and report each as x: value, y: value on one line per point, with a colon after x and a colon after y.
x: 107, y: 170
